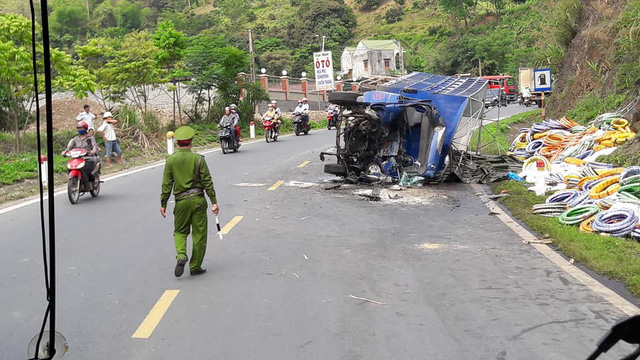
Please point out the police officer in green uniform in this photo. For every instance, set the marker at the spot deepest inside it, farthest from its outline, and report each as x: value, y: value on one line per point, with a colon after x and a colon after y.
x: 187, y: 175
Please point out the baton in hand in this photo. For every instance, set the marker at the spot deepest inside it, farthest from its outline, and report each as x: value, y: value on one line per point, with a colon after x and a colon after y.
x: 218, y: 226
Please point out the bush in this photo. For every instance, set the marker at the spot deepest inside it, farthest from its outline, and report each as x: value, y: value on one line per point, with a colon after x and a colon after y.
x: 590, y: 107
x: 393, y: 15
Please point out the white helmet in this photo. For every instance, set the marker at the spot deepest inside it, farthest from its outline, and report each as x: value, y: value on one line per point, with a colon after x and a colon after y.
x: 304, y: 99
x: 107, y: 114
x: 274, y: 102
x: 232, y: 106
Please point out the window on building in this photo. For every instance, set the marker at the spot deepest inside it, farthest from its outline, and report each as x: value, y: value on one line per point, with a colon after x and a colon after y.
x: 387, y: 64
x: 366, y: 65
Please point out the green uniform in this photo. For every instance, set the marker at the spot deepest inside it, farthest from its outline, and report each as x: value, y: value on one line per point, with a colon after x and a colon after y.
x: 190, y: 211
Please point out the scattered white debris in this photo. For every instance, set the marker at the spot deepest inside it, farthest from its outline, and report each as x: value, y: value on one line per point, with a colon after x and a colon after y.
x: 300, y: 184
x: 432, y: 246
x: 305, y: 257
x: 250, y: 184
x: 571, y: 261
x: 296, y: 275
x: 367, y: 300
x: 304, y: 218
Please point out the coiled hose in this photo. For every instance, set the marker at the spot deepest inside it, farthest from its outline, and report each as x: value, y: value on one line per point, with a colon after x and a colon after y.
x: 549, y: 210
x: 620, y: 222
x: 578, y: 214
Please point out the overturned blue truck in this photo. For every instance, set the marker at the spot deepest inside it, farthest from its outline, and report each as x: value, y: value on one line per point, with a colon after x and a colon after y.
x: 410, y: 125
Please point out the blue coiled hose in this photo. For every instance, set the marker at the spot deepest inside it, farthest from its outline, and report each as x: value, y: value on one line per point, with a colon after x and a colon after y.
x: 562, y: 197
x: 620, y: 222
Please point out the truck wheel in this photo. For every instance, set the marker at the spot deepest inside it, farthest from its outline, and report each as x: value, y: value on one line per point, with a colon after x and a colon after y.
x: 335, y: 169
x: 539, y: 102
x: 345, y: 98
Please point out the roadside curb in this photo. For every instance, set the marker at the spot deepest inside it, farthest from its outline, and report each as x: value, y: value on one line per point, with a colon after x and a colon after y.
x: 594, y: 285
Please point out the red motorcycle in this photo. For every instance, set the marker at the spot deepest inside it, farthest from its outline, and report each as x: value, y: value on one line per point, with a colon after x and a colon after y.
x: 78, y: 183
x: 270, y: 133
x: 332, y: 117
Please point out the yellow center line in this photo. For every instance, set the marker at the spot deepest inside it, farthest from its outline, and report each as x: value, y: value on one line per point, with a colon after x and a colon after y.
x: 225, y: 230
x: 276, y: 185
x: 155, y: 315
x: 304, y: 164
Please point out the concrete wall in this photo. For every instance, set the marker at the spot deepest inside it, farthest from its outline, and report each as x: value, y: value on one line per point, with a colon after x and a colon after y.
x: 376, y: 62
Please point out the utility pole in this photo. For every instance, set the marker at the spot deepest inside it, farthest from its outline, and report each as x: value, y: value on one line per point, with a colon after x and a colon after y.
x: 401, y: 58
x: 323, y: 37
x: 253, y: 58
x: 480, y: 67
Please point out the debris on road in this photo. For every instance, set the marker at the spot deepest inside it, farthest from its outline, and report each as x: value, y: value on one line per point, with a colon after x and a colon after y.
x: 250, y: 184
x: 304, y: 218
x: 305, y: 257
x: 367, y: 300
x: 300, y: 184
x: 294, y: 274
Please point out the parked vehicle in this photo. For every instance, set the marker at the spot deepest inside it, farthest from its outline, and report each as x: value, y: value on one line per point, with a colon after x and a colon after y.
x: 504, y: 82
x: 270, y: 133
x: 299, y: 125
x: 333, y: 111
x: 79, y: 183
x: 526, y: 79
x: 495, y: 98
x: 228, y: 139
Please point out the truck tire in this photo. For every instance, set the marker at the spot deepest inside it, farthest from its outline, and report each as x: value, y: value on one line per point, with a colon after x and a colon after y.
x: 335, y: 169
x: 539, y: 103
x: 345, y: 98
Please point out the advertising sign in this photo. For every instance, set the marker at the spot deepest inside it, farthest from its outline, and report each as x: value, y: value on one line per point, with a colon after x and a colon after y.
x: 323, y: 65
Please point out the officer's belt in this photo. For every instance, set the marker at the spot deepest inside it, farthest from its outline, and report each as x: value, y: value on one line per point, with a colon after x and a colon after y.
x: 189, y: 193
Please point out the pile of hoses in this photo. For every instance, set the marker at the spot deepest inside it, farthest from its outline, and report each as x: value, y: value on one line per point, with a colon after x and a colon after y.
x: 559, y: 139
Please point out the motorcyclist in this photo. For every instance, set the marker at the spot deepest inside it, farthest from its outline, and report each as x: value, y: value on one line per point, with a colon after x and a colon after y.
x: 304, y: 110
x: 236, y: 119
x: 270, y: 114
x: 526, y: 94
x: 228, y: 119
x: 277, y: 109
x: 87, y: 142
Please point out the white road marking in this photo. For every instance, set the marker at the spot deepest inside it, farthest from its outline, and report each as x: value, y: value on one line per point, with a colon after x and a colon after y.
x: 595, y: 286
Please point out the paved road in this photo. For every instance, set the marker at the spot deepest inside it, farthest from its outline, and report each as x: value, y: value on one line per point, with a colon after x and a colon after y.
x: 455, y: 282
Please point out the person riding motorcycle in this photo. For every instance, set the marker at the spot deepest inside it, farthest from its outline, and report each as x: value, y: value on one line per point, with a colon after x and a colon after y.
x: 270, y: 114
x: 276, y: 108
x: 236, y: 119
x: 87, y: 142
x: 303, y: 109
x: 228, y: 119
x: 526, y: 94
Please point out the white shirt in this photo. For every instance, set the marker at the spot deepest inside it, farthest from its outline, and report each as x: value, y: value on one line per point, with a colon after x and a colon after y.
x: 107, y: 130
x: 87, y: 117
x: 305, y: 108
x: 526, y: 92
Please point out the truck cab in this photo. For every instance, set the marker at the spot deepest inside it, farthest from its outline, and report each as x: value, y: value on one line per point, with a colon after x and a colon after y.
x: 504, y: 82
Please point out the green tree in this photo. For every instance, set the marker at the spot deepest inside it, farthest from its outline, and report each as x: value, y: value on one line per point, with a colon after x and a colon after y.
x: 94, y: 56
x: 135, y: 68
x: 458, y: 9
x: 276, y: 61
x: 131, y: 15
x: 69, y: 22
x: 16, y: 74
x: 172, y: 45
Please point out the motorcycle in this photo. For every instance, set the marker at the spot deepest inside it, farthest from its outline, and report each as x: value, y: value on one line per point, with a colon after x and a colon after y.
x: 299, y: 125
x: 228, y: 139
x: 332, y: 118
x: 524, y: 101
x: 78, y: 185
x: 270, y: 133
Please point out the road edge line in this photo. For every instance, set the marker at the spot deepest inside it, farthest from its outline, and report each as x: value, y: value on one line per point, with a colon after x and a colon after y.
x: 594, y: 285
x: 231, y: 224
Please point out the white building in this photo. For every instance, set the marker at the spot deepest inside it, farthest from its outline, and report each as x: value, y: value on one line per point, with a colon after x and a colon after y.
x: 372, y: 58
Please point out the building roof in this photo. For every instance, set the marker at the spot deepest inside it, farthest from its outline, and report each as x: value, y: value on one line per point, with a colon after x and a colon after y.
x: 380, y: 44
x: 350, y: 49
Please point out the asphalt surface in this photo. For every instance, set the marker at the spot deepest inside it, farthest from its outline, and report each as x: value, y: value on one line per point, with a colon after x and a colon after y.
x: 448, y: 279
